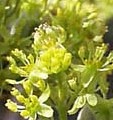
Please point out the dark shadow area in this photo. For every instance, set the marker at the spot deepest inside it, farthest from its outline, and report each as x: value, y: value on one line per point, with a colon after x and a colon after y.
x: 108, y: 38
x: 6, y: 114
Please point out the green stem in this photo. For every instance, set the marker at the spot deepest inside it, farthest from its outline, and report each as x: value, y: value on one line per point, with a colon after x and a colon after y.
x: 62, y: 112
x: 60, y: 99
x: 62, y: 107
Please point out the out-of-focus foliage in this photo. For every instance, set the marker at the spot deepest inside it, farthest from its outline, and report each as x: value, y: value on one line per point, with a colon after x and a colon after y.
x: 66, y: 64
x: 17, y: 21
x: 105, y: 6
x: 77, y: 21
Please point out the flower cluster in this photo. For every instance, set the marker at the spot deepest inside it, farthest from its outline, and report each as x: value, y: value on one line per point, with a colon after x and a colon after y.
x: 49, y: 57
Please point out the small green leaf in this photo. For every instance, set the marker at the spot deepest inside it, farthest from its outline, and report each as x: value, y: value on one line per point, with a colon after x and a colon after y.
x: 73, y: 111
x: 92, y: 15
x: 87, y: 76
x: 98, y: 38
x: 73, y: 83
x: 79, y: 68
x: 85, y: 24
x: 9, y: 81
x: 45, y: 111
x: 45, y: 95
x: 35, y: 75
x: 91, y: 99
x: 79, y: 103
